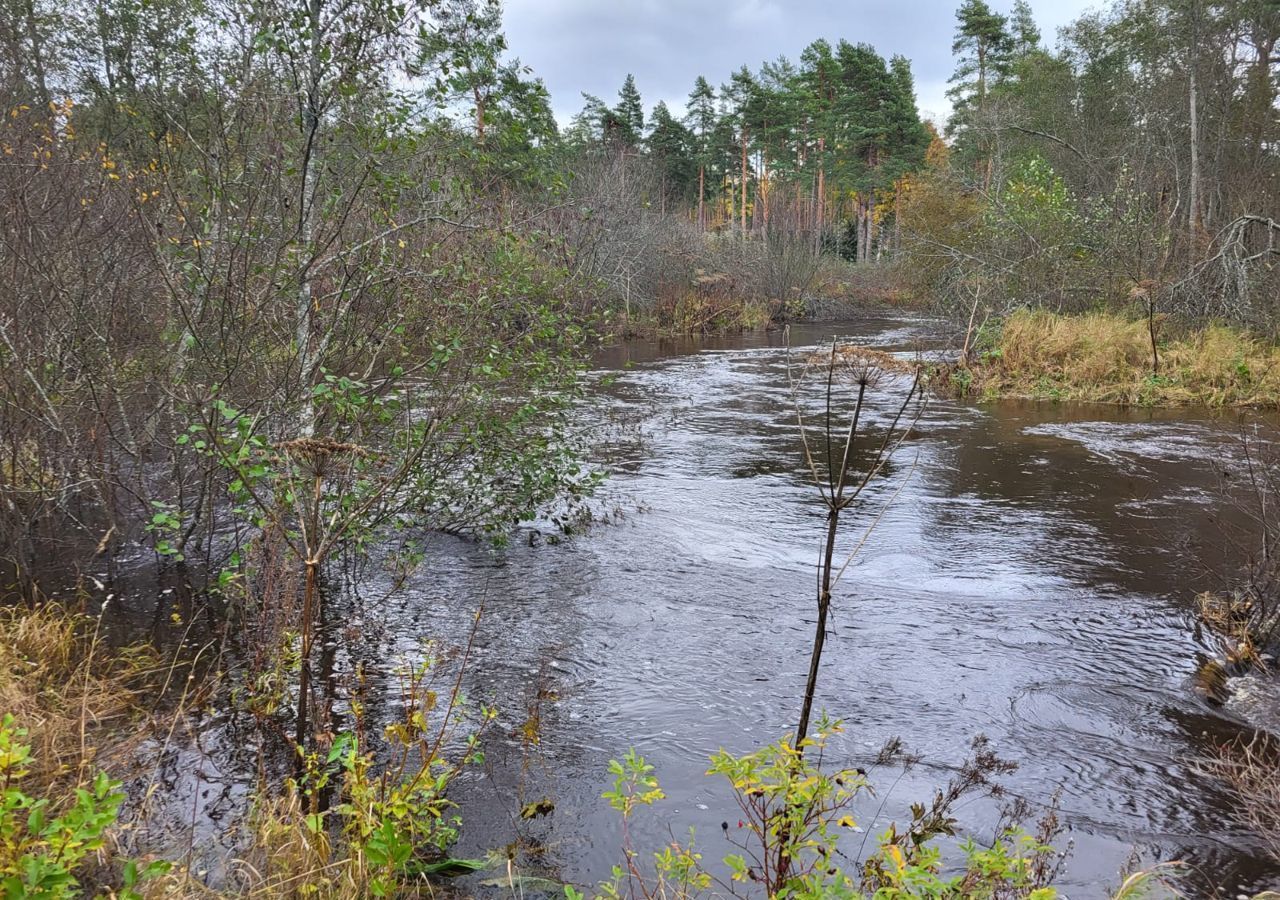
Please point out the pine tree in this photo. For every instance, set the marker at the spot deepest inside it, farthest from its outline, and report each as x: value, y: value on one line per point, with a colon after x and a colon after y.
x: 983, y: 47
x: 984, y: 51
x: 819, y: 78
x: 463, y: 49
x: 742, y: 95
x: 701, y: 119
x: 590, y: 125
x: 771, y: 121
x: 1023, y: 30
x: 863, y: 126
x: 629, y: 113
x: 522, y: 127
x: 671, y: 145
x: 778, y: 129
x: 722, y: 159
x: 909, y: 137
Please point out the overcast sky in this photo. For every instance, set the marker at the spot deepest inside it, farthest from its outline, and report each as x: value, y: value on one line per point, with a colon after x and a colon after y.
x: 591, y: 45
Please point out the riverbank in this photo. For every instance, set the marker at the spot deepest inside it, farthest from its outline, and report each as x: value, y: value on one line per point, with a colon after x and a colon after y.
x: 90, y: 804
x: 1109, y: 358
x: 740, y: 292
x: 72, y: 713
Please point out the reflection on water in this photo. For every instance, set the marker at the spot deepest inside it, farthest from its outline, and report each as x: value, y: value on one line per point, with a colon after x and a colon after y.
x: 1032, y: 582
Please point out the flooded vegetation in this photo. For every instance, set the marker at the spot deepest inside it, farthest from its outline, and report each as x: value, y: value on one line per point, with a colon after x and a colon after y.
x: 409, y: 488
x: 1033, y: 580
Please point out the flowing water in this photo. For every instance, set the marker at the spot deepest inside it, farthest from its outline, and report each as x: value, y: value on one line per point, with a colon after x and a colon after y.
x: 1032, y: 581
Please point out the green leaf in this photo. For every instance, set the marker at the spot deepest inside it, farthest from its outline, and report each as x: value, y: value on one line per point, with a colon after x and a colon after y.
x: 452, y: 868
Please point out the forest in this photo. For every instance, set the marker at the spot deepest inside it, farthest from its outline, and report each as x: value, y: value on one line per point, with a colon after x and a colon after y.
x: 309, y: 306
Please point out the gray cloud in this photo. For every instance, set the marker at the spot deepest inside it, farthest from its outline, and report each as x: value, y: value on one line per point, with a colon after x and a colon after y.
x: 591, y: 45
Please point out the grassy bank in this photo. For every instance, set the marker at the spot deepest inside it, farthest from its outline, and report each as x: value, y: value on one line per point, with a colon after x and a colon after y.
x: 738, y: 286
x: 1108, y: 358
x: 78, y: 786
x: 68, y: 691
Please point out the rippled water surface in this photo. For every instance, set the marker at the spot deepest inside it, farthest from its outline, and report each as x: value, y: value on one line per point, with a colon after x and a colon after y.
x: 1033, y: 582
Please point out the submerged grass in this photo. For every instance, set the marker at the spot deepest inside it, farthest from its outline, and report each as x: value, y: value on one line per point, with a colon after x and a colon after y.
x: 1106, y: 357
x: 1250, y: 767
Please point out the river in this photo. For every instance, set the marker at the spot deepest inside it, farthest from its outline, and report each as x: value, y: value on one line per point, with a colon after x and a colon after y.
x: 1032, y: 581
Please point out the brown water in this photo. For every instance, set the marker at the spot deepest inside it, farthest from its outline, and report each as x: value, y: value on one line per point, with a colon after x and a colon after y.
x: 1032, y: 582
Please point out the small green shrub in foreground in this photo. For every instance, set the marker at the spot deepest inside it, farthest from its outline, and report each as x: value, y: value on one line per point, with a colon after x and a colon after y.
x: 793, y: 816
x: 42, y: 847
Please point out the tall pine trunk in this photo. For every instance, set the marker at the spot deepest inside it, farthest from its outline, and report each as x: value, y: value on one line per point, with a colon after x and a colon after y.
x: 766, y: 196
x: 864, y: 230
x: 819, y: 211
x: 702, y: 194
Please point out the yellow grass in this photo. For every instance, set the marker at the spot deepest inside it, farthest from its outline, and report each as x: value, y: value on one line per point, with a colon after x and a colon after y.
x: 1104, y: 357
x: 64, y: 687
x: 705, y: 310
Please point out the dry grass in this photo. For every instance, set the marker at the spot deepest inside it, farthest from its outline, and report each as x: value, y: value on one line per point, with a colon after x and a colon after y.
x: 66, y: 688
x: 1251, y: 770
x: 712, y: 306
x: 1246, y: 624
x: 1105, y: 357
x: 77, y: 703
x: 1158, y: 881
x: 74, y: 696
x: 287, y: 856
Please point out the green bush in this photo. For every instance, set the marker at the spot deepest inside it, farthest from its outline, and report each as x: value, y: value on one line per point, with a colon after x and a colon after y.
x: 793, y: 817
x: 45, y: 846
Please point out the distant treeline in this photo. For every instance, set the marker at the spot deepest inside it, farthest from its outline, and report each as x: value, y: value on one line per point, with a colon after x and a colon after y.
x: 810, y: 147
x: 1136, y: 164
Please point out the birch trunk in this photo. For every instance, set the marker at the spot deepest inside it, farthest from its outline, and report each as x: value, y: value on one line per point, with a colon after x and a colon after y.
x: 304, y: 308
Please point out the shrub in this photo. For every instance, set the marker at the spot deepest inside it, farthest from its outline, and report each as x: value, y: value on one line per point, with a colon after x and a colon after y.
x: 1251, y: 770
x: 47, y: 842
x: 793, y: 817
